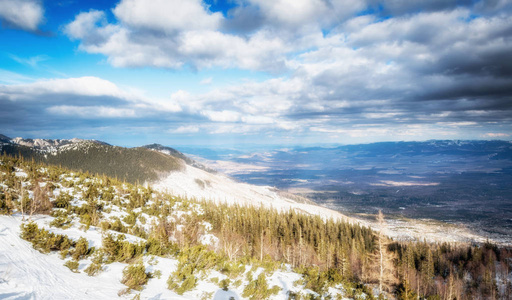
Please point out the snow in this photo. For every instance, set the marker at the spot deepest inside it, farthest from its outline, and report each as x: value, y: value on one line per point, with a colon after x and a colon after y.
x: 26, y: 273
x: 20, y: 174
x: 220, y: 188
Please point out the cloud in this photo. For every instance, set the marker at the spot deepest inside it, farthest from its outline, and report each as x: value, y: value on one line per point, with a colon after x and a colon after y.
x: 22, y: 14
x: 496, y: 135
x: 70, y: 102
x: 359, y: 69
x: 185, y: 129
x: 30, y: 61
x: 170, y: 16
x: 83, y: 86
x: 225, y: 116
x: 148, y: 37
x: 92, y: 112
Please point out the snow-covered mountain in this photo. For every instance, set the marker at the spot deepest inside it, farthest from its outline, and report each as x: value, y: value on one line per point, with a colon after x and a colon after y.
x: 131, y: 164
x: 47, y: 145
x: 28, y: 271
x: 199, y: 184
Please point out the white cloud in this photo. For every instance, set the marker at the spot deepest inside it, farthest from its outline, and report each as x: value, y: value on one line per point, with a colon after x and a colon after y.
x: 169, y: 16
x: 86, y: 86
x: 30, y: 61
x: 92, y: 112
x: 340, y: 73
x: 23, y: 14
x: 185, y: 129
x: 84, y: 23
x: 222, y: 116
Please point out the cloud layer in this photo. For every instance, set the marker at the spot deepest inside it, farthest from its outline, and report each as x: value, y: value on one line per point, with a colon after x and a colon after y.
x: 341, y: 69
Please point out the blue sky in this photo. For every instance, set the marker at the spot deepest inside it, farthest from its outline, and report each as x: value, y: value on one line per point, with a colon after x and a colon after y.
x: 249, y: 72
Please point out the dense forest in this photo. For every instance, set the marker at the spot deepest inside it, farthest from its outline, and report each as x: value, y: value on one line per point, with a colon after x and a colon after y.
x: 327, y: 253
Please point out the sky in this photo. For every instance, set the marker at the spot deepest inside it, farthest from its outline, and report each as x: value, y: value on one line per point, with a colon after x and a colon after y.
x: 256, y: 72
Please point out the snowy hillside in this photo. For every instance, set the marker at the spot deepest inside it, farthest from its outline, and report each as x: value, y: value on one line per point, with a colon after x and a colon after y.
x: 67, y: 234
x: 74, y: 236
x: 199, y: 184
x: 25, y: 273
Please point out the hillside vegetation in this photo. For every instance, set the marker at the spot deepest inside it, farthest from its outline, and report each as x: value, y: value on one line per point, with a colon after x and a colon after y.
x: 134, y: 165
x: 235, y: 248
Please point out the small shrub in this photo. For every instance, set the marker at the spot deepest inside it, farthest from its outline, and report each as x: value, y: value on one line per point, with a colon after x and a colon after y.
x: 96, y: 267
x: 6, y: 204
x: 81, y: 249
x: 61, y: 222
x: 207, y: 296
x: 157, y: 274
x: 224, y: 284
x: 63, y: 200
x: 182, y: 280
x: 29, y: 231
x: 258, y: 289
x: 43, y: 240
x: 93, y: 269
x: 237, y: 283
x: 135, y: 276
x: 72, y: 265
x: 131, y: 218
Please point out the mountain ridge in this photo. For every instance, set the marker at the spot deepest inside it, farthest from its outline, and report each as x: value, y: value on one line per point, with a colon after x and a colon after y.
x: 136, y: 164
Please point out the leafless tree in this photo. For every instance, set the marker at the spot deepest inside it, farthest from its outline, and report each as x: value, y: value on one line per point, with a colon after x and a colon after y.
x: 386, y: 268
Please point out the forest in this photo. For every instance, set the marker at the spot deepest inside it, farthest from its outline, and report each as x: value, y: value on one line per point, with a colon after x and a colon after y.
x: 134, y: 165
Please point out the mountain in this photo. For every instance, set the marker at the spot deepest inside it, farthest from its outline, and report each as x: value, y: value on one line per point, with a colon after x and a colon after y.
x: 90, y: 237
x: 165, y: 168
x: 131, y: 164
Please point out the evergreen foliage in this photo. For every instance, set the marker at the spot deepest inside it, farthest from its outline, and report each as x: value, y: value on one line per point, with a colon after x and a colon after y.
x: 72, y: 265
x: 96, y: 266
x: 44, y: 240
x: 258, y: 289
x: 135, y: 276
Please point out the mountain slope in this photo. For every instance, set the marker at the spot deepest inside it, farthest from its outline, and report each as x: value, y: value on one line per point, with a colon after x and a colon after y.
x: 130, y: 164
x: 121, y: 226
